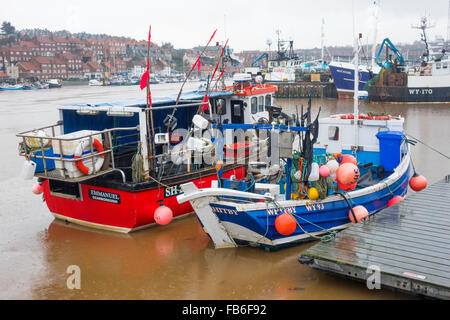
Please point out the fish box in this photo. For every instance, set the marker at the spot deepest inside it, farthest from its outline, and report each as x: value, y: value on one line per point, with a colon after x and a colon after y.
x: 48, y: 152
x: 68, y: 148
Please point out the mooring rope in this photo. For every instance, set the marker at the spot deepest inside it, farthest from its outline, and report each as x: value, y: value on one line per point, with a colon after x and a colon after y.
x: 434, y: 149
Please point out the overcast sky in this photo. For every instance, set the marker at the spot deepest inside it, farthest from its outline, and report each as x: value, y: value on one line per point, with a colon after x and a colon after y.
x: 248, y: 24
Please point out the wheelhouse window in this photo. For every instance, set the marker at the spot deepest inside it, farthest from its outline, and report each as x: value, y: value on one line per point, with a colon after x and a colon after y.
x: 445, y: 65
x: 261, y: 104
x: 254, y: 105
x: 237, y: 110
x: 333, y: 133
x: 220, y: 107
x: 438, y: 65
x: 268, y: 100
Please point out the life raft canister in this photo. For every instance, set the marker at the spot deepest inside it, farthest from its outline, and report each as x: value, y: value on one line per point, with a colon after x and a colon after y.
x: 83, y: 145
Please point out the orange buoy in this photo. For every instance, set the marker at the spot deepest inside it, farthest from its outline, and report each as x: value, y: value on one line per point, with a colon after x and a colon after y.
x: 418, y: 182
x: 347, y: 187
x: 361, y: 213
x: 348, y: 158
x: 337, y: 155
x: 285, y: 224
x: 395, y: 200
x: 37, y: 188
x: 163, y: 215
x: 347, y: 173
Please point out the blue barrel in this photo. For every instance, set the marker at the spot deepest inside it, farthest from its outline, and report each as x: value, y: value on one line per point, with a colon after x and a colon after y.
x: 390, y: 142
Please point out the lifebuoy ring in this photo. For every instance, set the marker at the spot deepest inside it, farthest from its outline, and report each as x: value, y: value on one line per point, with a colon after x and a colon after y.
x: 83, y: 145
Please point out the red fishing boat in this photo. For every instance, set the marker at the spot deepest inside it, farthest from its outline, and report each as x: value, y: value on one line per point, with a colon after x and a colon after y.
x: 115, y: 165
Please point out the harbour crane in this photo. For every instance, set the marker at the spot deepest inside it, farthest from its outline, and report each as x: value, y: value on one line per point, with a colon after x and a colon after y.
x: 259, y: 58
x: 389, y: 45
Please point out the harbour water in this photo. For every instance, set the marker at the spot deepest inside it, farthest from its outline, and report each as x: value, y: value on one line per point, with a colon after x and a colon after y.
x: 172, y: 262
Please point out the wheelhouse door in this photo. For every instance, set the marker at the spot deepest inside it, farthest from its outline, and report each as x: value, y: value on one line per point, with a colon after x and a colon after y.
x: 237, y: 111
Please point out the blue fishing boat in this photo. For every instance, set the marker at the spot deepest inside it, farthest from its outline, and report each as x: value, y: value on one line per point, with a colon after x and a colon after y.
x: 232, y: 216
x: 320, y: 176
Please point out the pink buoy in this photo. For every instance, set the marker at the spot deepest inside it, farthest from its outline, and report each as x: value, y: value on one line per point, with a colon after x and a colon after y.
x: 361, y: 213
x: 348, y: 173
x: 324, y: 171
x: 418, y: 182
x: 37, y: 188
x: 394, y: 200
x: 163, y: 215
x: 348, y: 158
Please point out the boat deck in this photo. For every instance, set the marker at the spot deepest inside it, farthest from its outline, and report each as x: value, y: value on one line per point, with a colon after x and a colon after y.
x: 408, y: 242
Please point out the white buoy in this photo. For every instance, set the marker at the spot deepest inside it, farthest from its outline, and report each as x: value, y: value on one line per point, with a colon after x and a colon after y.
x: 28, y: 170
x: 314, y: 175
x: 200, y: 122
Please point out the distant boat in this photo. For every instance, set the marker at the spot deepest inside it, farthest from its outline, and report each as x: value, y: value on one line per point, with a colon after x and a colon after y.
x: 12, y: 87
x: 54, y: 83
x: 428, y: 82
x: 95, y: 82
x: 343, y: 74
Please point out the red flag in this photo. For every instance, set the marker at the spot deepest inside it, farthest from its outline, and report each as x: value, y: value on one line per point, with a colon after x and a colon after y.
x: 144, y: 80
x: 205, y: 101
x: 146, y: 74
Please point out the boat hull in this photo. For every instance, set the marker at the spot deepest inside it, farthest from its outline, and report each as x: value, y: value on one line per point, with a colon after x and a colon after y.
x: 120, y: 210
x: 409, y: 95
x: 255, y: 224
x: 344, y: 79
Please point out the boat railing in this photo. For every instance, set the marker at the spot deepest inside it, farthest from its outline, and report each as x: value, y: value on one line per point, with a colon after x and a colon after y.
x: 60, y: 173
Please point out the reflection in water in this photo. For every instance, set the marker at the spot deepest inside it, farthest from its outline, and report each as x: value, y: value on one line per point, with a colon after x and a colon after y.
x: 171, y: 262
x: 179, y: 262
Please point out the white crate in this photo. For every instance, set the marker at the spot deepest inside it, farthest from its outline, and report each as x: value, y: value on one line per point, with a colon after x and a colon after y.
x: 68, y: 150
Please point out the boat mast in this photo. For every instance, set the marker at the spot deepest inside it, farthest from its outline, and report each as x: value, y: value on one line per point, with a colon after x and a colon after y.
x: 356, y: 83
x: 375, y: 31
x: 423, y: 25
x: 356, y: 94
x: 323, y: 39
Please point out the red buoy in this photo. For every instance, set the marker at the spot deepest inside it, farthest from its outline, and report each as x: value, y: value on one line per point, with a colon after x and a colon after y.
x: 347, y: 187
x: 285, y: 224
x: 37, y: 188
x: 348, y: 158
x: 361, y: 213
x: 418, y: 182
x: 163, y: 215
x: 395, y: 200
x: 347, y: 173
